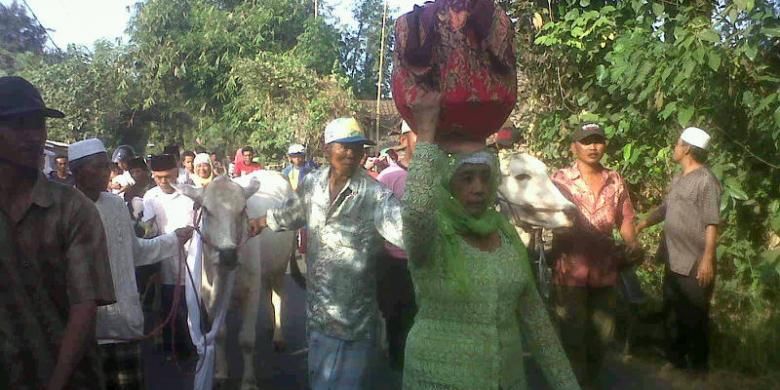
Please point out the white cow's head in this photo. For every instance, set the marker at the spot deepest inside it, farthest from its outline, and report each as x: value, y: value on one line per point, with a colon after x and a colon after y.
x: 223, y: 218
x: 532, y: 197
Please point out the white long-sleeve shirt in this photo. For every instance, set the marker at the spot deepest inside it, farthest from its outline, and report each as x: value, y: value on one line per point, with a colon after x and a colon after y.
x: 169, y: 212
x: 124, y: 319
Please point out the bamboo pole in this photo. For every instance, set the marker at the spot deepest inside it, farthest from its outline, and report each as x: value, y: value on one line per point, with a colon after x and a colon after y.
x: 381, y: 69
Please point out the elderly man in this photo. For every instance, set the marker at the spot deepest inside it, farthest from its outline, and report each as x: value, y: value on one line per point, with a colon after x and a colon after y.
x: 123, y: 321
x: 347, y: 214
x: 167, y: 210
x: 691, y: 214
x: 184, y: 174
x: 54, y: 268
x: 587, y: 260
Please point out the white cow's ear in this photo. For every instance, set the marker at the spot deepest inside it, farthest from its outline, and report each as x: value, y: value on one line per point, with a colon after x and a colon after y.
x: 252, y: 188
x: 196, y: 194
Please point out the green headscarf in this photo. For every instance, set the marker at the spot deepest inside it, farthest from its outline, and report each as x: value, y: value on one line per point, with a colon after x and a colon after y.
x: 453, y: 220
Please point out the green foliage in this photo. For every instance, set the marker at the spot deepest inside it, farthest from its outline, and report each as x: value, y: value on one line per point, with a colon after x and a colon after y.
x: 19, y: 33
x: 647, y: 69
x: 362, y: 46
x: 98, y: 92
x: 244, y: 72
x: 282, y: 101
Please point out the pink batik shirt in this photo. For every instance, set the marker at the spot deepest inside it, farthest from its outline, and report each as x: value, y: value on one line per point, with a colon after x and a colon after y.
x: 585, y: 255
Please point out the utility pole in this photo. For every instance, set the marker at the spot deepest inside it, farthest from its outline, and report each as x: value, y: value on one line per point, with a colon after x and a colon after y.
x: 381, y: 69
x: 316, y: 9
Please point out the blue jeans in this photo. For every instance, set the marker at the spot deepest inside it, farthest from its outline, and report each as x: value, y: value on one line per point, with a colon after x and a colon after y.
x: 341, y: 364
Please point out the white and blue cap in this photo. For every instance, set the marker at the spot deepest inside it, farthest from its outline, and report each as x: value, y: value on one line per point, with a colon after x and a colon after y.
x: 296, y: 149
x: 345, y: 130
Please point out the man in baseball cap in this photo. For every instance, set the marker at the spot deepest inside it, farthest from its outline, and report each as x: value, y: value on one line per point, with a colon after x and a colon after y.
x: 297, y: 169
x: 53, y: 257
x: 347, y: 214
x: 691, y: 215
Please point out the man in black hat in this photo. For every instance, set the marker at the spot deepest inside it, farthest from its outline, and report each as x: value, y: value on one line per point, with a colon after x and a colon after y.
x: 587, y: 261
x: 54, y: 268
x: 168, y: 210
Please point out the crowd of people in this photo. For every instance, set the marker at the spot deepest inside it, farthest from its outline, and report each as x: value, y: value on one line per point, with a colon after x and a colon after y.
x: 411, y: 236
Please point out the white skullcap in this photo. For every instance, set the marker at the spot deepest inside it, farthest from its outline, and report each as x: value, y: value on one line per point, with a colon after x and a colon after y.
x: 85, y: 148
x: 201, y: 158
x: 696, y: 137
x: 405, y: 127
x: 296, y: 149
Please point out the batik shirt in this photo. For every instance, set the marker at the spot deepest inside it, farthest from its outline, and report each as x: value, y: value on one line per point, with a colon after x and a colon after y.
x: 345, y: 237
x: 586, y: 254
x: 51, y: 259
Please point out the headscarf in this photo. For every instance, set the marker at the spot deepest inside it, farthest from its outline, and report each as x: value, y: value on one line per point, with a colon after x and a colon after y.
x: 453, y: 221
x: 202, y: 158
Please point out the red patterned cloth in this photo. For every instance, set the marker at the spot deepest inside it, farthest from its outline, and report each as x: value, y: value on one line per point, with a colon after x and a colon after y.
x: 586, y: 255
x: 463, y: 49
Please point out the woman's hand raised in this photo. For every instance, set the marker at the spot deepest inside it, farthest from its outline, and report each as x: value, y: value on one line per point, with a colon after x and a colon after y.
x: 426, y: 109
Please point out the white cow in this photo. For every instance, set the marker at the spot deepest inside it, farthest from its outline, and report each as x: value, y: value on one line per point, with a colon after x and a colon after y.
x: 528, y: 196
x: 261, y: 261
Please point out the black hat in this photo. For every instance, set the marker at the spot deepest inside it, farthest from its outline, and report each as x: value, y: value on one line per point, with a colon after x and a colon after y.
x: 173, y: 150
x: 162, y: 162
x: 18, y: 96
x: 586, y: 130
x: 137, y: 162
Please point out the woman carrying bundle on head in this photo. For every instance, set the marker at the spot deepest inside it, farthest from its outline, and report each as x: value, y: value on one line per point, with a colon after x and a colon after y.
x: 475, y: 291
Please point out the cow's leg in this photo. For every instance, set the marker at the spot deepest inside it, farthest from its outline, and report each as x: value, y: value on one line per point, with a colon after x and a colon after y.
x: 277, y: 285
x: 247, y: 336
x: 221, y: 371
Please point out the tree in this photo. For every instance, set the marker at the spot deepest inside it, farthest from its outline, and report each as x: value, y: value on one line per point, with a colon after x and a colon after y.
x: 19, y: 33
x: 362, y: 48
x: 194, y: 56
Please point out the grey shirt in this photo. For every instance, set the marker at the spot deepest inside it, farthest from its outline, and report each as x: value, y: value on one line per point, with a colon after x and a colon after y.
x: 693, y: 203
x: 345, y: 237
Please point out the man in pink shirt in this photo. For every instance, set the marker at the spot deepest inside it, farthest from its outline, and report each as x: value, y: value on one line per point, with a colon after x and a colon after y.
x: 394, y: 284
x: 587, y: 260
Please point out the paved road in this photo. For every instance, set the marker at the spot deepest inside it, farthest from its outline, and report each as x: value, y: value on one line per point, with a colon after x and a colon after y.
x: 287, y: 370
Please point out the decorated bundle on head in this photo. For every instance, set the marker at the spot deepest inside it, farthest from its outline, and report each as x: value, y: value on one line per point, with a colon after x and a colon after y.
x: 464, y: 50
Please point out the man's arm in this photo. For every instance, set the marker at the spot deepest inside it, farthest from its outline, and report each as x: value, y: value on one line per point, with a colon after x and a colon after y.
x: 79, y: 332
x: 290, y: 217
x: 656, y: 216
x: 89, y: 284
x: 709, y: 210
x: 706, y: 271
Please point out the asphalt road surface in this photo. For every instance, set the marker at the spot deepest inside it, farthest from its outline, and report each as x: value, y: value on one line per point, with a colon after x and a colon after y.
x: 287, y: 370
